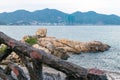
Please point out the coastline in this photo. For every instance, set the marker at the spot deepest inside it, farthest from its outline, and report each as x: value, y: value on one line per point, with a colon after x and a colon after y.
x: 103, y: 54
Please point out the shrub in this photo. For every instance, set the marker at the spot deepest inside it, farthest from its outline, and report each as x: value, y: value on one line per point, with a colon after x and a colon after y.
x: 2, y: 48
x: 31, y: 40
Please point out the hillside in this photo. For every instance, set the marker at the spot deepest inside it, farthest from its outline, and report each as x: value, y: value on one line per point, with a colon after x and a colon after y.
x: 55, y: 17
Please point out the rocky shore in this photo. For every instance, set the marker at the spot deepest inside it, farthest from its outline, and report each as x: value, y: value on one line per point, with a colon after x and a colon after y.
x: 63, y: 47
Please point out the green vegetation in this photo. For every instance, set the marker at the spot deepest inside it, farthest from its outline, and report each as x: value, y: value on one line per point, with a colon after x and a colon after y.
x: 3, y: 48
x: 31, y: 40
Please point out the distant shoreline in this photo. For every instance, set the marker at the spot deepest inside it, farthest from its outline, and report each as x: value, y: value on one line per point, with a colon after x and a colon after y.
x: 55, y: 17
x: 60, y: 25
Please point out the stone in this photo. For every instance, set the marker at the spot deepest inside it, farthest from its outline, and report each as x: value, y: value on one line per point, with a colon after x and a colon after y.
x: 50, y: 49
x: 74, y: 46
x: 63, y: 47
x: 96, y: 46
x: 113, y: 75
x: 41, y: 32
x: 40, y: 47
x: 13, y: 57
x: 25, y: 38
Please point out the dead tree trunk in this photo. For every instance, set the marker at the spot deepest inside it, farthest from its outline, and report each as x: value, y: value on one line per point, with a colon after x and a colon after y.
x: 18, y: 71
x: 4, y: 76
x: 5, y: 54
x: 69, y: 68
x: 34, y: 73
x: 39, y: 56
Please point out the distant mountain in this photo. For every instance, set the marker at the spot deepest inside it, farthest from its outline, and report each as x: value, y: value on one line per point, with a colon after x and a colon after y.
x: 55, y: 17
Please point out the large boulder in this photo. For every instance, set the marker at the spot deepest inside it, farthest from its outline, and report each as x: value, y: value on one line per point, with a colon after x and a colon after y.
x: 50, y: 49
x: 41, y: 32
x: 95, y: 46
x: 13, y: 57
x: 74, y: 46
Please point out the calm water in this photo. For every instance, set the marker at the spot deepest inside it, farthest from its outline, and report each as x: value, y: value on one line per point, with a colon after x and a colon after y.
x: 109, y: 60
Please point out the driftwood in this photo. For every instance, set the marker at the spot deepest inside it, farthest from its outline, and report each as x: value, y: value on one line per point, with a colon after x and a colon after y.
x: 34, y: 73
x: 5, y: 54
x: 17, y: 70
x: 38, y: 57
x: 4, y: 76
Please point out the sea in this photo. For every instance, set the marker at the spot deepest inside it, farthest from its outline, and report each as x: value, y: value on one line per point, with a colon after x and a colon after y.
x: 108, y: 60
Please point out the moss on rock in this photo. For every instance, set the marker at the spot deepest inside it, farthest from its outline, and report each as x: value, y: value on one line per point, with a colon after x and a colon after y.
x: 2, y: 48
x: 31, y: 40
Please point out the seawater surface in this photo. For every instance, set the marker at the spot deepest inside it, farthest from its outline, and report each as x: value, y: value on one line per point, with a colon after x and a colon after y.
x: 108, y: 60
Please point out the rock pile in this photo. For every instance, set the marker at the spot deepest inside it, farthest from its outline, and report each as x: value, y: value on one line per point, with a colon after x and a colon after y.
x: 63, y: 47
x: 72, y: 46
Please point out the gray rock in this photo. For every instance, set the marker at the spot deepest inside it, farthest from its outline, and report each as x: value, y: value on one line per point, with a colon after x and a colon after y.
x: 41, y: 32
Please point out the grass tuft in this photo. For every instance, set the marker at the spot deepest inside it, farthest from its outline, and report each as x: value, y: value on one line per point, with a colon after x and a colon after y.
x: 31, y: 40
x: 2, y: 48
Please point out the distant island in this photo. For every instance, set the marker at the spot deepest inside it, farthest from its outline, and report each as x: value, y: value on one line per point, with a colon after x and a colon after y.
x: 56, y: 17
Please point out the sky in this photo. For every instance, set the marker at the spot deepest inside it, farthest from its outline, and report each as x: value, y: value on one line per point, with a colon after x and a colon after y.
x: 67, y: 6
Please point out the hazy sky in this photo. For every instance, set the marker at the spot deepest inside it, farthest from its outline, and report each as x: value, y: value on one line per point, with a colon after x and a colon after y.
x: 68, y: 6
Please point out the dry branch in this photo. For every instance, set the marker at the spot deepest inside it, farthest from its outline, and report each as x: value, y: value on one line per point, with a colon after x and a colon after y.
x: 50, y: 60
x: 5, y: 54
x: 31, y: 69
x: 38, y: 57
x: 17, y: 70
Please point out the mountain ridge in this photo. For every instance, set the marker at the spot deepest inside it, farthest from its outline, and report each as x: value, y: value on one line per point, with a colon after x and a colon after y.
x: 55, y: 17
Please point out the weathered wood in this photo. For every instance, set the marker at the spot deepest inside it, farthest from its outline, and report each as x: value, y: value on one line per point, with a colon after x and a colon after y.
x: 68, y: 68
x: 38, y: 57
x: 37, y: 66
x: 31, y: 69
x: 5, y: 54
x: 18, y: 71
x: 4, y: 76
x: 7, y: 71
x: 96, y: 74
